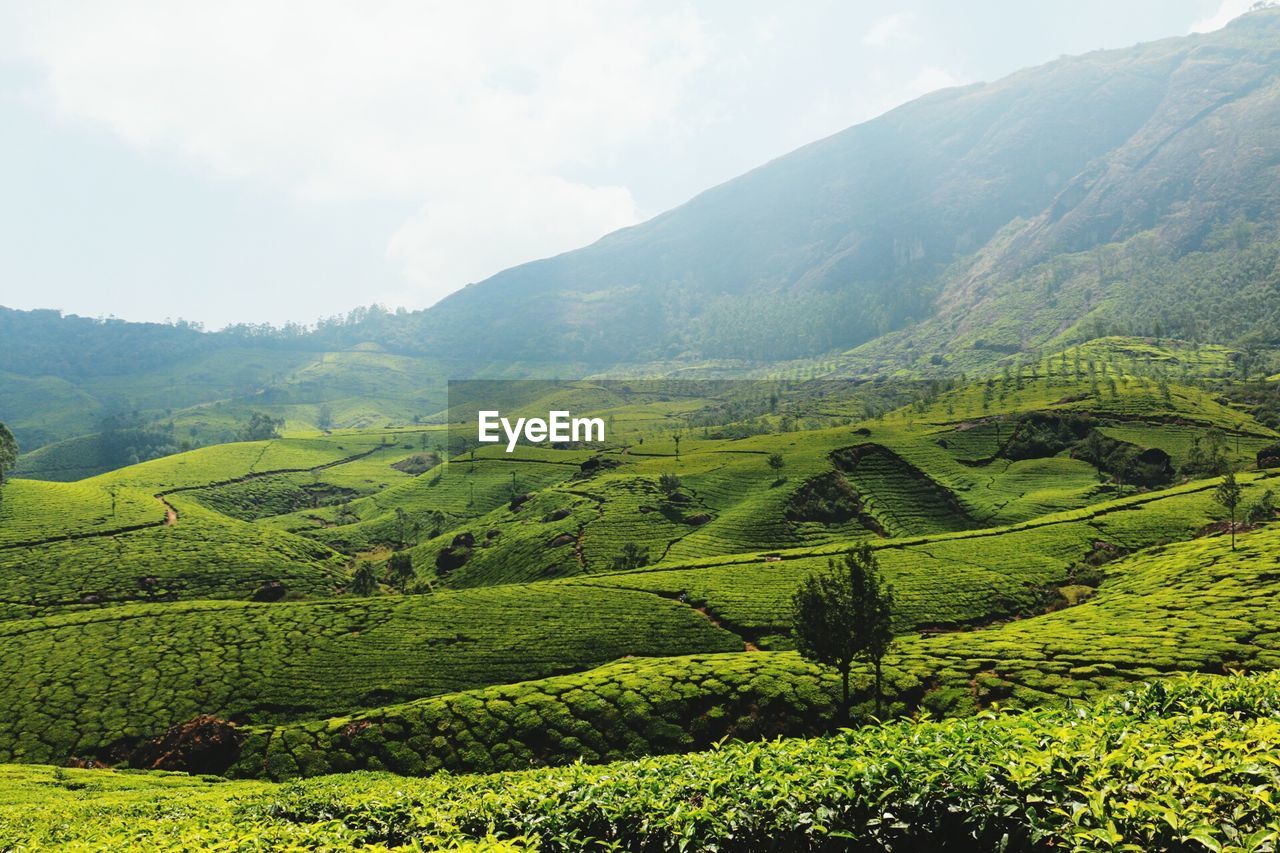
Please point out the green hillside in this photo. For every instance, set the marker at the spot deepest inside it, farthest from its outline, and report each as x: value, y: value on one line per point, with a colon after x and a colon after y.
x: 1051, y: 533
x: 1009, y: 350
x: 1090, y: 777
x: 223, y: 578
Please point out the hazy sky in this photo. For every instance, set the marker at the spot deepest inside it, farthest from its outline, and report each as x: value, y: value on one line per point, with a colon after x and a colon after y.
x: 261, y: 161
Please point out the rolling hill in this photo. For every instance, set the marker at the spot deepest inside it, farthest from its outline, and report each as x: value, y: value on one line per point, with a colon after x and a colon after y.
x: 367, y: 600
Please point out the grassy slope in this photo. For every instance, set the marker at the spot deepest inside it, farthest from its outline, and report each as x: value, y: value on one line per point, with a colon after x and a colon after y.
x: 61, y: 547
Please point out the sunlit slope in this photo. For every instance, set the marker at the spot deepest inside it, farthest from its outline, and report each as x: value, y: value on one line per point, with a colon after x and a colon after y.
x: 439, y: 499
x: 64, y: 546
x: 229, y: 462
x: 34, y: 512
x: 959, y: 579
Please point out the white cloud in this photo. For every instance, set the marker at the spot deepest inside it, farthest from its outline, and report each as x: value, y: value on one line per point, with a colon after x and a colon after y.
x: 887, y: 30
x: 482, y: 113
x: 931, y: 78
x: 1227, y: 11
x: 520, y: 217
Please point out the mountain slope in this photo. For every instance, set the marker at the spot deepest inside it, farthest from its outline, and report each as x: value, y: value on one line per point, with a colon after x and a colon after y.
x: 851, y: 237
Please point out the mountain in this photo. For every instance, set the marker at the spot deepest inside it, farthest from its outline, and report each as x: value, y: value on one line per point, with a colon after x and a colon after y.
x: 1124, y: 191
x: 932, y: 210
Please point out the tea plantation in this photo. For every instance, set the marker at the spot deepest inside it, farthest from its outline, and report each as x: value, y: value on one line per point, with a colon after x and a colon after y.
x: 377, y: 600
x: 78, y: 684
x: 1178, y: 765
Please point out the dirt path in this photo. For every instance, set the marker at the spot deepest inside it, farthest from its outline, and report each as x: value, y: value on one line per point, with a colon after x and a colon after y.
x: 747, y: 645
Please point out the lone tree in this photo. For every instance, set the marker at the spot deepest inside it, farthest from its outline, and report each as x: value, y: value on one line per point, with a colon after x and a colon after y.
x: 1228, y: 494
x: 776, y: 462
x: 402, y: 525
x: 631, y: 557
x: 669, y: 484
x: 845, y: 615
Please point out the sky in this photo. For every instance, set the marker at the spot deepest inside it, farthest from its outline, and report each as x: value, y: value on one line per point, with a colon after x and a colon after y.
x: 271, y: 162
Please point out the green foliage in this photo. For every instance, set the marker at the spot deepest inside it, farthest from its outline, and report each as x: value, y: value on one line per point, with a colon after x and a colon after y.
x: 1264, y: 509
x: 631, y: 557
x: 400, y: 573
x: 1175, y: 765
x: 260, y: 427
x: 596, y: 562
x: 365, y: 580
x: 1207, y: 458
x: 621, y: 710
x: 138, y: 669
x: 845, y: 615
x: 669, y: 484
x: 1228, y: 495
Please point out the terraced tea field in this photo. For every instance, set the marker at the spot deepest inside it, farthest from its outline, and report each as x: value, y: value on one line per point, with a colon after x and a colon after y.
x: 37, y: 513
x: 1078, y: 775
x: 621, y: 710
x: 203, y: 555
x: 605, y: 603
x: 143, y: 668
x: 1191, y: 607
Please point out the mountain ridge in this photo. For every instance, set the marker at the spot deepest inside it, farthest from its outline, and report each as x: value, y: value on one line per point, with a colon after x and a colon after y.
x: 1124, y: 191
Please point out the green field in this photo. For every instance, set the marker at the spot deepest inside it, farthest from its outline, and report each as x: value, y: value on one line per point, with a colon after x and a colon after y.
x: 611, y: 602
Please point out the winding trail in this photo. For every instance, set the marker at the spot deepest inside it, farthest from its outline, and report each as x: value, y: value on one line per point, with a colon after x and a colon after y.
x: 705, y: 612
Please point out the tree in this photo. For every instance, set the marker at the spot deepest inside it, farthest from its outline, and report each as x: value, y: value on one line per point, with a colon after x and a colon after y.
x: 1217, y: 441
x: 669, y: 484
x: 8, y: 452
x: 776, y: 462
x: 324, y: 417
x: 402, y: 525
x: 400, y: 571
x: 1228, y: 495
x: 1264, y: 509
x: 845, y: 615
x: 631, y: 557
x: 261, y: 427
x: 365, y: 580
